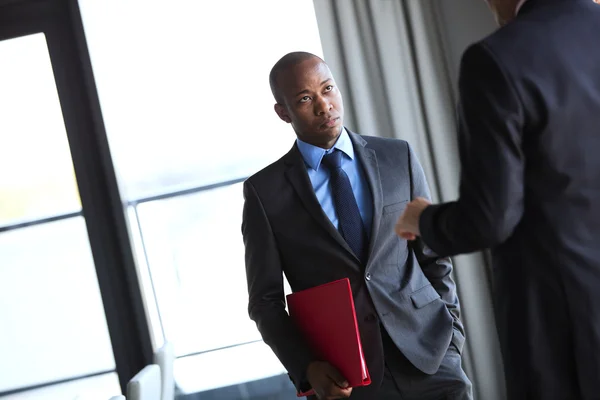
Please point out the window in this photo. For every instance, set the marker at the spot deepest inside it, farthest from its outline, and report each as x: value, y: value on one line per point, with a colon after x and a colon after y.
x: 53, y: 323
x: 187, y: 106
x: 38, y: 179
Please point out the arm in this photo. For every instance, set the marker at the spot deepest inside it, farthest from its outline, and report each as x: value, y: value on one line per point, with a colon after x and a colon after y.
x: 437, y: 269
x: 490, y: 203
x: 266, y: 304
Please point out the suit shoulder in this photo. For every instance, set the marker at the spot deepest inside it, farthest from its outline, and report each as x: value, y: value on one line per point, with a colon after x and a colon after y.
x: 384, y: 146
x: 266, y: 178
x: 390, y: 151
x: 384, y: 142
x: 267, y: 173
x: 524, y: 40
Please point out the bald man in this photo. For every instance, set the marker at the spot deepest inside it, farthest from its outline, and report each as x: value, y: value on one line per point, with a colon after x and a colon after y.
x: 325, y: 211
x: 529, y: 137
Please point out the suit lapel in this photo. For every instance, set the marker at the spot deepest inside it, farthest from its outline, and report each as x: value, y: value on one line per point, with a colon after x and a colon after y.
x: 298, y: 177
x: 368, y: 160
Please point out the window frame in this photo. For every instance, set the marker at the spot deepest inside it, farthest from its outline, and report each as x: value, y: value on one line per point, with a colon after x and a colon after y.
x: 102, y: 206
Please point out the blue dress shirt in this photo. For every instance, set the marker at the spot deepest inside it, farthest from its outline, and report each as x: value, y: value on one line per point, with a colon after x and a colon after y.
x: 319, y: 177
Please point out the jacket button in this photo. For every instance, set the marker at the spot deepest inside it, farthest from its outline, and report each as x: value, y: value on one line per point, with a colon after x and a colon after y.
x: 368, y: 276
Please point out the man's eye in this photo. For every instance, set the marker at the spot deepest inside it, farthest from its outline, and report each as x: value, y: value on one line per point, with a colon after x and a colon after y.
x: 329, y: 88
x: 304, y: 99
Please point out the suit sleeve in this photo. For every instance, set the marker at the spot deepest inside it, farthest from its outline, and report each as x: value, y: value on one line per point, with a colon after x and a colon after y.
x: 490, y: 203
x: 438, y: 270
x: 266, y: 305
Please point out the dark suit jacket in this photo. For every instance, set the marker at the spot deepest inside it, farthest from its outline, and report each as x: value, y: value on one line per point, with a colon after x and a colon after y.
x: 529, y: 138
x: 286, y: 231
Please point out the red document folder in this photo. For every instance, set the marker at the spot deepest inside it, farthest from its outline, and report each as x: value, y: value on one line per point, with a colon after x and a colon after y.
x: 326, y: 317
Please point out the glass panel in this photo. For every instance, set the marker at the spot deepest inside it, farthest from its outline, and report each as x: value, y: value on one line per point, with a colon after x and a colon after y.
x: 185, y: 106
x: 101, y: 387
x: 196, y: 255
x: 189, y: 103
x: 51, y: 314
x: 222, y: 371
x: 38, y: 181
x: 53, y: 324
x: 276, y: 387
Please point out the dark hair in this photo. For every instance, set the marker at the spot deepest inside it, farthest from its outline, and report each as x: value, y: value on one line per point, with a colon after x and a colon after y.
x: 285, y: 62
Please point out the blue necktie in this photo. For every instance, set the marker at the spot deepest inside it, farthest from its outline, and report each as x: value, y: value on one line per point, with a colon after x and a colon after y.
x: 350, y: 223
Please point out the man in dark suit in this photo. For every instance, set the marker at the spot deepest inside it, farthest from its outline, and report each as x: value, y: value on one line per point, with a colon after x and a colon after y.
x: 326, y: 211
x: 529, y: 136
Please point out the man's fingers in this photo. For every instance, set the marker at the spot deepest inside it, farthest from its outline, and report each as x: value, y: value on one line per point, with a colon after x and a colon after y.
x: 336, y: 392
x: 337, y: 378
x: 400, y: 228
x: 404, y: 234
x: 327, y: 381
x: 407, y: 235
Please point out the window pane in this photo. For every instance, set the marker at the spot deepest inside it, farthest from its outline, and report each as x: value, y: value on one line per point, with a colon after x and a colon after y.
x: 37, y: 178
x: 184, y: 86
x: 219, y: 373
x: 196, y: 256
x: 188, y: 105
x: 53, y: 324
x: 101, y: 387
x: 51, y: 313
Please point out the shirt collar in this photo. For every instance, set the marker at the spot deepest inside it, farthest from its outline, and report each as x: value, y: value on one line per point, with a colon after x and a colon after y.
x: 313, y: 155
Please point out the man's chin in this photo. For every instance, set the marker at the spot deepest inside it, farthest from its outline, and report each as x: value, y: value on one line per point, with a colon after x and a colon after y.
x: 333, y: 131
x: 326, y: 139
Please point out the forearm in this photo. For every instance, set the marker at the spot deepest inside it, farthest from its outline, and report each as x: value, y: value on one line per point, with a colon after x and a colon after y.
x: 491, y: 195
x: 446, y: 288
x: 438, y: 271
x: 266, y: 302
x: 448, y: 230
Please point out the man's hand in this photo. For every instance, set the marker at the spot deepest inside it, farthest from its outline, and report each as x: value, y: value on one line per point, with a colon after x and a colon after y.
x: 407, y: 226
x: 327, y: 381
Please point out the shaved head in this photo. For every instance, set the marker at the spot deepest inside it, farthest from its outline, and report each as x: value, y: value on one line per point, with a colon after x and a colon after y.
x: 284, y: 64
x: 307, y: 97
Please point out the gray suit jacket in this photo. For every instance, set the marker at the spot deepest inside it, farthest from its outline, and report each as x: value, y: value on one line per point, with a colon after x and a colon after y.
x: 286, y: 232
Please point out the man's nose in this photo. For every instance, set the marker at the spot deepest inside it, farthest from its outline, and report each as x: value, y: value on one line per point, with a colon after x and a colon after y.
x: 322, y: 106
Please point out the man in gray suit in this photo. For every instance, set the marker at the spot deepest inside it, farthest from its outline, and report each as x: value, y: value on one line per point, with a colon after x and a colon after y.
x: 325, y: 211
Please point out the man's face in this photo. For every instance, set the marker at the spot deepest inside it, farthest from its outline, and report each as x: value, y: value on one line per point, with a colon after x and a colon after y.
x: 311, y: 102
x: 504, y: 10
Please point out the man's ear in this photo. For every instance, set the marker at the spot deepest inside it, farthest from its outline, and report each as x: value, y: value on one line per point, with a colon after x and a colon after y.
x: 282, y: 113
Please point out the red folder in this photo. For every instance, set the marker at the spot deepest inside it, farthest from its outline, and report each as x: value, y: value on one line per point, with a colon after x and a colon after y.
x: 326, y: 317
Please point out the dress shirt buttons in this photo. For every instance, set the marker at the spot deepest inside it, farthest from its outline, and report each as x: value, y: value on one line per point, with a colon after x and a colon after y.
x: 368, y: 276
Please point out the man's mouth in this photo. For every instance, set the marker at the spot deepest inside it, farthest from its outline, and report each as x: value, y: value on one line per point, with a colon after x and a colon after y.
x: 331, y: 122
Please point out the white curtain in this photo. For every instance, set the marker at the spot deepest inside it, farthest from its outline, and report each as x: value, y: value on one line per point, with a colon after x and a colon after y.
x: 395, y: 62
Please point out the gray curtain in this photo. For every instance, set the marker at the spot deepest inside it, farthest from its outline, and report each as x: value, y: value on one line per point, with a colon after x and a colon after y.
x: 395, y: 62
